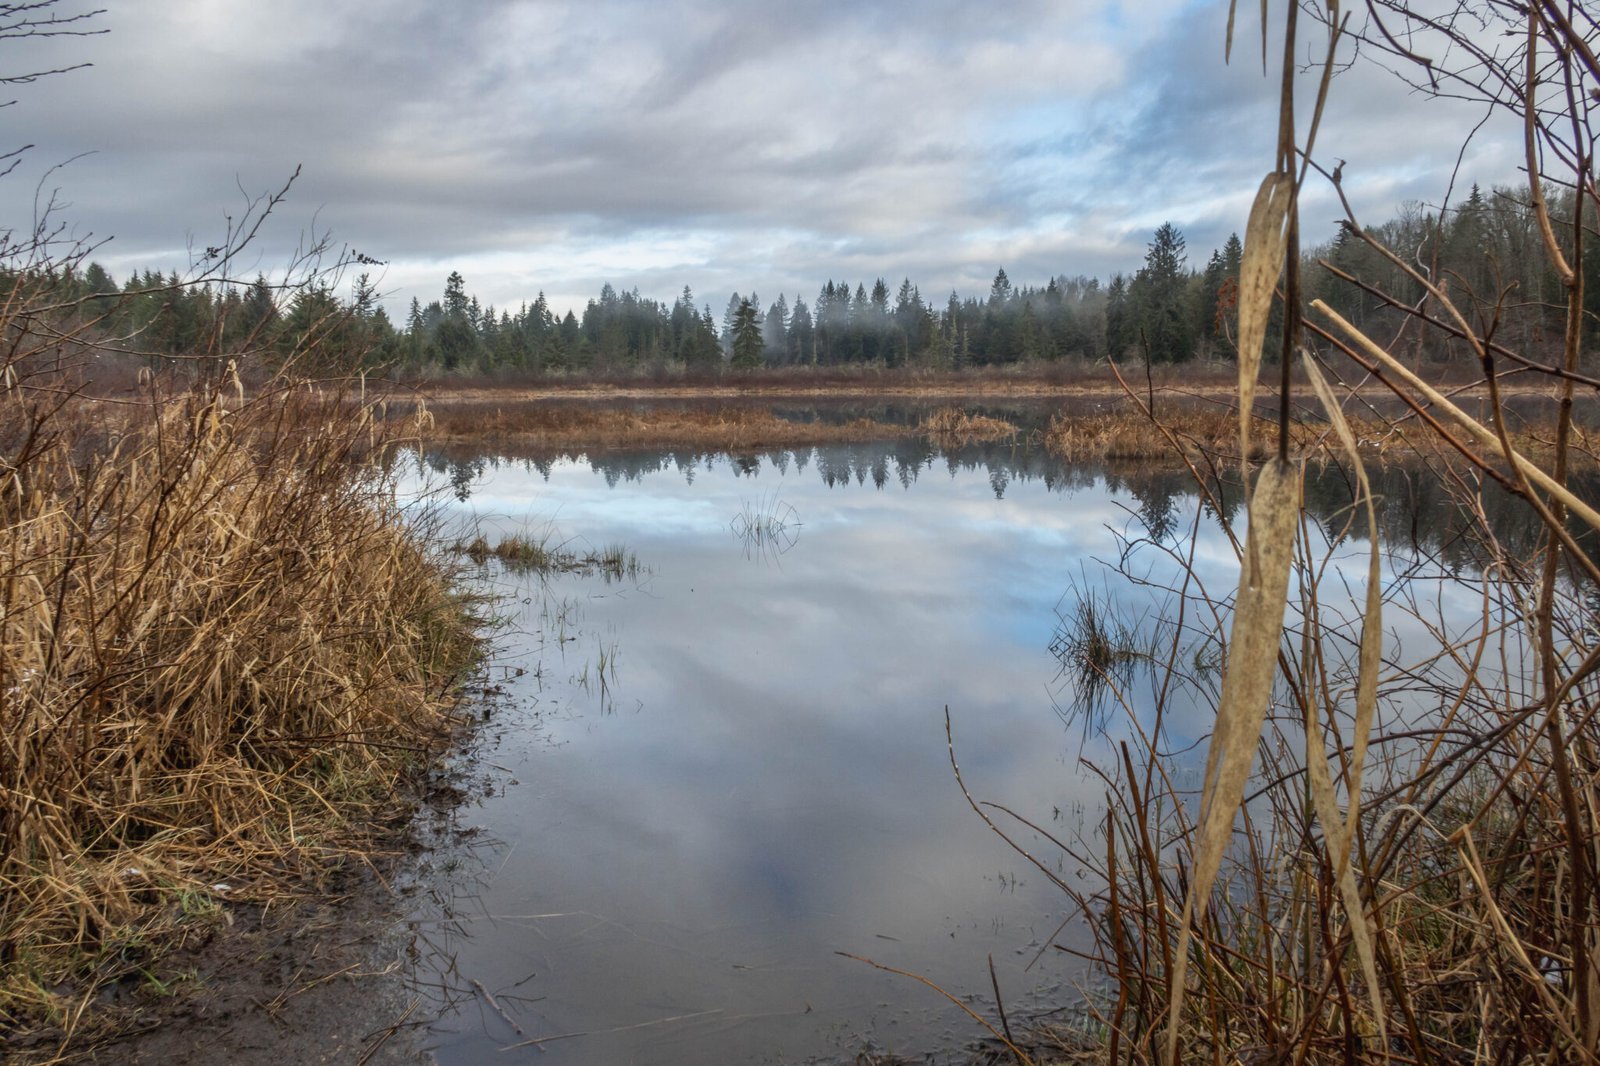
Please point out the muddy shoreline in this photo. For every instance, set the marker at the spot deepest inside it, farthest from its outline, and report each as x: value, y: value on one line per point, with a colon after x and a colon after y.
x: 319, y: 980
x: 337, y: 970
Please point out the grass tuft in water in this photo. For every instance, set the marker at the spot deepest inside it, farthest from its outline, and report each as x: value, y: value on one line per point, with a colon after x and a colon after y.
x: 522, y: 554
x: 768, y: 527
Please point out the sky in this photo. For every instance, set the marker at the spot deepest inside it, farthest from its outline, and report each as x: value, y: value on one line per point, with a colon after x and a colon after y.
x: 765, y: 147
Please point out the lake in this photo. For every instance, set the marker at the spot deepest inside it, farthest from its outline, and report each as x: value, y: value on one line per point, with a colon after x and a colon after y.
x: 703, y: 780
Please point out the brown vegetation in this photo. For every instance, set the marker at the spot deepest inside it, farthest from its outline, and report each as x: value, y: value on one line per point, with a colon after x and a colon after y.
x: 222, y: 647
x: 951, y: 427
x: 1065, y: 378
x: 1392, y: 852
x: 1128, y: 434
x: 580, y: 426
x: 1215, y: 432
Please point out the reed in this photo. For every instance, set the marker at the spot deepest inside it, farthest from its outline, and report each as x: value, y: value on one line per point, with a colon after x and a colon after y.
x: 223, y: 648
x: 1391, y: 852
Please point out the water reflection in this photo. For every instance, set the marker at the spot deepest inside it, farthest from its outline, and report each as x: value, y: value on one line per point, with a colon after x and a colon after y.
x: 1422, y: 508
x: 768, y: 528
x: 716, y: 776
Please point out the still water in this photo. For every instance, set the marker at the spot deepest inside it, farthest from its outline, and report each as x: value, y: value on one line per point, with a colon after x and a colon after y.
x: 707, y: 779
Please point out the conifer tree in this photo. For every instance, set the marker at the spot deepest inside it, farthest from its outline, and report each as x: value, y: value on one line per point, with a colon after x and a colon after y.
x: 746, y: 337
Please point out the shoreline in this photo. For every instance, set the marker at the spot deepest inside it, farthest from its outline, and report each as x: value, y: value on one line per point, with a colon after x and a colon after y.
x: 337, y: 964
x: 1073, y: 423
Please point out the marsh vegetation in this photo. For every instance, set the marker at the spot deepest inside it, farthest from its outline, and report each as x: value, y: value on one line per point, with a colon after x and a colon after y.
x: 228, y: 655
x: 1329, y: 786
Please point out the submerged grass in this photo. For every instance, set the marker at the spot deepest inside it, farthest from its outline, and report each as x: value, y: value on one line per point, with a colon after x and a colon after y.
x: 1098, y: 650
x: 768, y: 527
x: 524, y: 554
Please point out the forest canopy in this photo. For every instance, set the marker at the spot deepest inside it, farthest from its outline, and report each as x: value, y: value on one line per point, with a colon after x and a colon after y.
x: 1170, y: 310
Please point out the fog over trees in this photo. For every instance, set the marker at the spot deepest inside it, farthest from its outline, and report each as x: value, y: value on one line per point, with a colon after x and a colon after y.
x: 1172, y: 309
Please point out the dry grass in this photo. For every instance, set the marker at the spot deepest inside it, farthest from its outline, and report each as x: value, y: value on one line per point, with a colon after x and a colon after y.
x: 951, y: 427
x: 1214, y: 431
x: 1066, y: 377
x: 222, y: 645
x: 1126, y: 434
x: 577, y: 426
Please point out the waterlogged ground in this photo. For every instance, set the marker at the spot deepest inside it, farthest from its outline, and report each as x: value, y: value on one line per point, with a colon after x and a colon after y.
x: 708, y: 777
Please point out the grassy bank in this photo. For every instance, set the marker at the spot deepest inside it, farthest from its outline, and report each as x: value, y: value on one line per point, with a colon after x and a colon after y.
x: 1118, y: 429
x: 223, y: 647
x: 1214, y: 430
x: 579, y: 426
x: 1067, y: 377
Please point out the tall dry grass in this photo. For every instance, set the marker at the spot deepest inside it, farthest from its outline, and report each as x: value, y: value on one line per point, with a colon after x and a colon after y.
x: 1390, y: 852
x: 953, y: 427
x: 587, y: 426
x: 223, y: 646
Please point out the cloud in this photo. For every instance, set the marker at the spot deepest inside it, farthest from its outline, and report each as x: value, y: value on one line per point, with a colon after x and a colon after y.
x: 547, y: 144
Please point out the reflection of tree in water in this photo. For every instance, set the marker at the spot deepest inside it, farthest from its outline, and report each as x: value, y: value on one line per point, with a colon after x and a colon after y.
x: 463, y: 475
x: 1159, y: 496
x: 1422, y: 510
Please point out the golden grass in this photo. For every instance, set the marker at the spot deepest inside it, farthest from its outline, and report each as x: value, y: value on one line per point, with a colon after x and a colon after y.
x: 1128, y: 435
x: 568, y: 426
x: 222, y: 646
x: 952, y: 427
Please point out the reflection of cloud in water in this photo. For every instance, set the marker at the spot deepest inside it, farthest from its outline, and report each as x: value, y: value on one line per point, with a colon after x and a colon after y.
x: 774, y: 784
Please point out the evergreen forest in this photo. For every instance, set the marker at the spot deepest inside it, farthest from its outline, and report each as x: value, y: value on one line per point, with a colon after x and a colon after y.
x: 1486, y: 249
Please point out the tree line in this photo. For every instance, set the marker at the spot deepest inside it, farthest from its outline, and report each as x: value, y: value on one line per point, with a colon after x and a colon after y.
x: 1166, y: 311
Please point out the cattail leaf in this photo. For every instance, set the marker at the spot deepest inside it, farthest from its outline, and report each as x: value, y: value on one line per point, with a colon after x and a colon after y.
x: 1264, y: 242
x: 1370, y: 656
x: 1246, y: 691
x: 1340, y: 832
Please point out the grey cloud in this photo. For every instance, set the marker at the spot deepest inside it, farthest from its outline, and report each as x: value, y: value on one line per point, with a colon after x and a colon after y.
x: 796, y: 142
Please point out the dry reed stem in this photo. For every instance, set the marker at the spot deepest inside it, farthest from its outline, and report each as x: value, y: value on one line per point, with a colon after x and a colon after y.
x: 221, y: 645
x: 1021, y: 1056
x: 1246, y: 693
x: 1462, y: 871
x: 1340, y: 832
x: 1265, y: 240
x: 1483, y: 434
